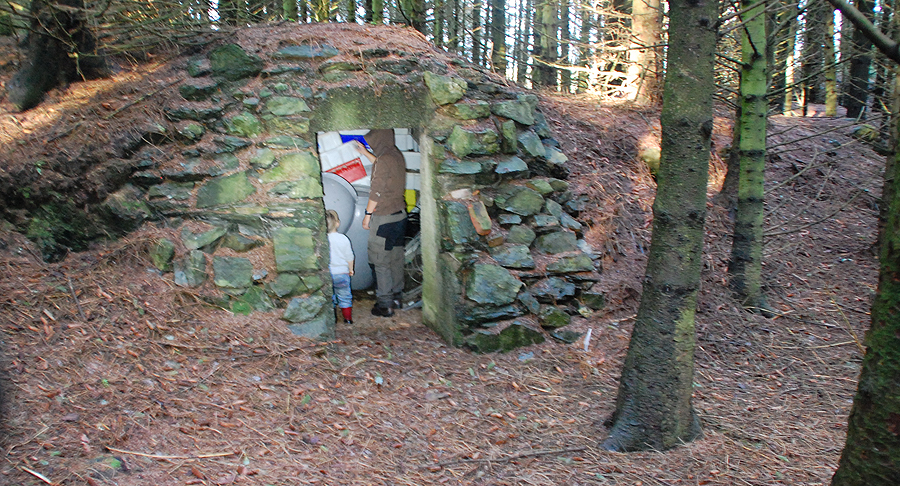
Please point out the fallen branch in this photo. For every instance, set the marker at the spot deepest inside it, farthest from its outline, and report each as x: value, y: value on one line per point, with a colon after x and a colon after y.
x: 37, y: 475
x: 512, y: 457
x: 159, y: 456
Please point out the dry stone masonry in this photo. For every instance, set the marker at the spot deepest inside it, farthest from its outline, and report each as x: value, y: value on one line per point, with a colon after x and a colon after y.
x: 503, y: 258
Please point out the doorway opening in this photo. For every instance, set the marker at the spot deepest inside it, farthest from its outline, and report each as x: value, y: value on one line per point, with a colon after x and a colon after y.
x: 346, y: 182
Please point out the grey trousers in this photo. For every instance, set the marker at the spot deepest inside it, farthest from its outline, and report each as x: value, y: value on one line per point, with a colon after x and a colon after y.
x: 387, y: 256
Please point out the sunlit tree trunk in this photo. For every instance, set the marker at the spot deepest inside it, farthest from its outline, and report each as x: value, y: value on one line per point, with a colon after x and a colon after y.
x: 745, y: 266
x: 642, y: 55
x: 565, y: 75
x: 60, y: 47
x: 377, y: 12
x: 521, y: 48
x: 476, y: 33
x: 452, y: 12
x: 584, y: 57
x: 498, y: 36
x: 290, y: 10
x: 857, y: 92
x: 653, y: 406
x: 813, y: 57
x: 872, y: 452
x: 545, y: 38
x: 830, y: 67
x: 789, y: 64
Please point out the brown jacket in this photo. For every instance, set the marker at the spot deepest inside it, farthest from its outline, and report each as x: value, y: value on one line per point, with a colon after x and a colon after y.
x: 389, y: 173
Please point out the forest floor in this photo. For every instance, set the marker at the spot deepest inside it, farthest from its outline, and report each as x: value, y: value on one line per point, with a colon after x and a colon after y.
x: 116, y: 376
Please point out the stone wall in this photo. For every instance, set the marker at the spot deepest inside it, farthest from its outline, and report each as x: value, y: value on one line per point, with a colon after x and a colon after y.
x: 501, y: 248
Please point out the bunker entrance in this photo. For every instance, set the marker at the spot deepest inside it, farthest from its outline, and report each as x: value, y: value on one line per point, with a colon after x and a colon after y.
x: 346, y: 182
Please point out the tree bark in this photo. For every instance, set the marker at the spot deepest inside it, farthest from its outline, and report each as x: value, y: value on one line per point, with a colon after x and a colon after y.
x: 565, y: 75
x: 653, y: 406
x: 745, y: 266
x: 60, y: 48
x: 813, y: 58
x: 830, y: 67
x: 643, y: 64
x: 498, y: 36
x: 789, y: 64
x: 858, y: 87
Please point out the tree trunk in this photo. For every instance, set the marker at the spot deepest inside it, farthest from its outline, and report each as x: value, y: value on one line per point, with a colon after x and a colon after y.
x: 584, y: 50
x: 60, y: 48
x: 437, y: 36
x: 476, y: 33
x: 498, y: 36
x: 789, y: 61
x: 813, y: 57
x: 377, y: 12
x: 643, y: 66
x: 830, y: 67
x: 565, y: 75
x: 727, y: 197
x: 453, y: 26
x: 290, y: 10
x: 745, y: 267
x: 872, y: 452
x: 653, y: 406
x: 857, y: 92
x: 545, y: 36
x: 522, y: 42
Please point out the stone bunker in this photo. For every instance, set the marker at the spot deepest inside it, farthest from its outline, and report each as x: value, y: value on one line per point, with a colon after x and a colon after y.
x: 501, y: 250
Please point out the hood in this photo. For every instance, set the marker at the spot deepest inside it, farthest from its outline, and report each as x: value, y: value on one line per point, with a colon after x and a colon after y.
x: 381, y: 141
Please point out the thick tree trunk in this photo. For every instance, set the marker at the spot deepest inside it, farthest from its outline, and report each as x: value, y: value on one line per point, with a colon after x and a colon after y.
x: 60, y: 48
x: 830, y: 67
x: 813, y: 48
x: 545, y: 34
x: 788, y: 108
x: 585, y: 50
x: 643, y: 64
x: 653, y: 406
x: 872, y: 453
x: 745, y: 267
x: 857, y: 92
x: 565, y: 75
x: 476, y: 33
x: 498, y: 36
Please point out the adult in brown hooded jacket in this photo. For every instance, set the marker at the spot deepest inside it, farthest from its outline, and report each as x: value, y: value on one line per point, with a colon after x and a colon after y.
x: 386, y: 219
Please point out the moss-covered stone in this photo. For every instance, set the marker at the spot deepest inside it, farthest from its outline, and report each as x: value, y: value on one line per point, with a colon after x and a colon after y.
x: 262, y: 159
x: 542, y: 186
x: 571, y: 264
x: 161, y: 254
x: 513, y: 256
x: 286, y: 285
x: 463, y: 141
x: 257, y: 299
x: 195, y: 113
x: 243, y: 125
x: 225, y: 190
x: 301, y: 309
x: 531, y: 144
x: 478, y: 315
x: 178, y: 191
x: 295, y: 249
x: 444, y: 89
x: 198, y: 91
x: 517, y: 335
x: 304, y: 188
x: 552, y: 317
x: 292, y: 167
x: 286, y: 105
x: 523, y: 201
x: 305, y: 52
x: 553, y: 290
x: 518, y: 110
x: 232, y: 63
x: 594, y: 298
x: 190, y: 270
x: 125, y: 210
x: 190, y: 131
x: 195, y: 241
x: 287, y: 125
x: 513, y: 166
x: 458, y: 224
x: 287, y: 142
x: 520, y: 235
x: 232, y: 272
x: 556, y: 242
x: 491, y: 285
x: 470, y: 110
x: 240, y: 243
x: 460, y: 167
